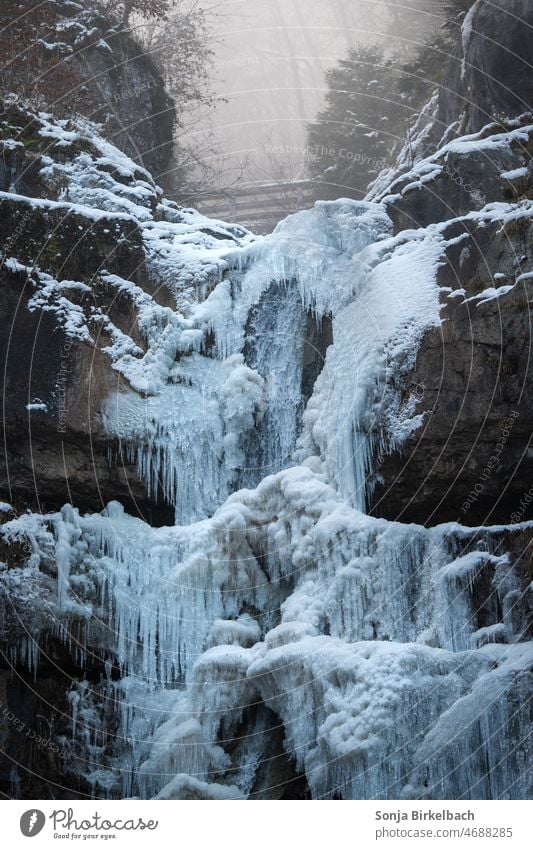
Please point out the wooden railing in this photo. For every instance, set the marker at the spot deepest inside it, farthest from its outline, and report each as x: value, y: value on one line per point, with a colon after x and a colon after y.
x: 258, y: 206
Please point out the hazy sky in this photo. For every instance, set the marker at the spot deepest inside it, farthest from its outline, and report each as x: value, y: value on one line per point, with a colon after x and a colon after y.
x: 270, y: 61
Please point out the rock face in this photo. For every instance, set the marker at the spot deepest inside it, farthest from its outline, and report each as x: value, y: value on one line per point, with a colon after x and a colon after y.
x: 129, y: 96
x: 55, y: 381
x: 470, y: 459
x: 463, y: 177
x: 265, y: 638
x: 94, y: 68
x: 72, y: 282
x: 492, y: 78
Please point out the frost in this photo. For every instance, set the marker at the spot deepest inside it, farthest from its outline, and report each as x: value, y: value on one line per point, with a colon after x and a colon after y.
x: 466, y: 33
x: 490, y: 294
x: 37, y: 406
x: 403, y: 641
x: 273, y: 598
x: 515, y: 174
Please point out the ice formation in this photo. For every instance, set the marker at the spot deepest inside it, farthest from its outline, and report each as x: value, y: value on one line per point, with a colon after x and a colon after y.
x: 275, y: 594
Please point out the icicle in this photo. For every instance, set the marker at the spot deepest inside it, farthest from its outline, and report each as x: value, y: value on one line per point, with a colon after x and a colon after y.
x: 360, y: 635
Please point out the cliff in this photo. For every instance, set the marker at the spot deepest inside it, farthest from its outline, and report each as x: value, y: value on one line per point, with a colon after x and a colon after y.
x: 266, y: 519
x: 87, y: 65
x: 87, y: 243
x: 463, y: 462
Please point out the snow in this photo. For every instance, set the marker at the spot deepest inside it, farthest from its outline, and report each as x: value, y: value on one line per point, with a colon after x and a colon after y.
x: 486, y: 146
x: 515, y: 174
x: 62, y: 137
x: 273, y: 592
x: 480, y: 142
x: 491, y: 294
x: 466, y: 33
x: 397, y: 605
x: 11, y: 144
x: 186, y: 787
x: 88, y: 212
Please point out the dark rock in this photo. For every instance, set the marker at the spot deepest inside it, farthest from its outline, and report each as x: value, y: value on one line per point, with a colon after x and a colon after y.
x: 131, y: 102
x: 473, y: 374
x: 464, y: 180
x: 58, y: 454
x: 470, y: 460
x: 494, y: 80
x: 90, y: 66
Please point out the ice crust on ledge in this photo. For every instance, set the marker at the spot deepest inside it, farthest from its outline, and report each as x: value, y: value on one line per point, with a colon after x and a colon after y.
x: 274, y: 598
x: 344, y: 626
x: 335, y: 262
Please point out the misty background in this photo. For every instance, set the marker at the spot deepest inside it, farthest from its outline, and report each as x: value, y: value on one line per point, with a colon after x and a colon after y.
x: 269, y: 64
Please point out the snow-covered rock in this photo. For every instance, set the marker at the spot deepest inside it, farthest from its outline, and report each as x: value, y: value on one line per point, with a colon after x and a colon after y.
x: 270, y: 619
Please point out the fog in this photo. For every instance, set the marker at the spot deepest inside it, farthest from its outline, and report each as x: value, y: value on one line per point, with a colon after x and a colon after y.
x: 269, y: 66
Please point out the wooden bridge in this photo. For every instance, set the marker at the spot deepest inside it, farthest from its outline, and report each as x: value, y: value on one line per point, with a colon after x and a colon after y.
x: 258, y: 206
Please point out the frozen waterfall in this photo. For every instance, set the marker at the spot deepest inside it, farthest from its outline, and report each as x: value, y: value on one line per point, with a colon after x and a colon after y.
x: 275, y: 601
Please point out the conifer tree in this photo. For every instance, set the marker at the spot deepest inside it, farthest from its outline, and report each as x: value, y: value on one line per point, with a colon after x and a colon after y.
x: 351, y: 139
